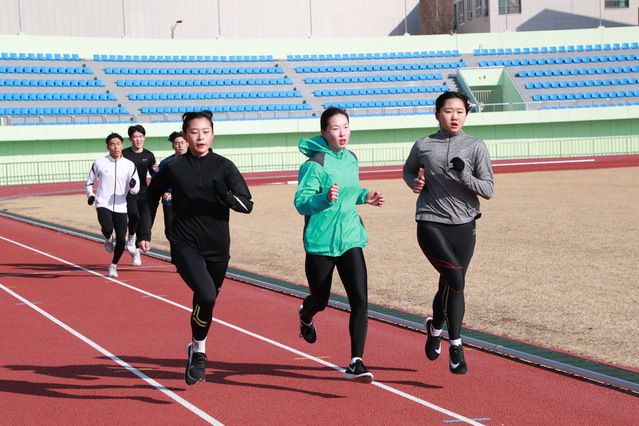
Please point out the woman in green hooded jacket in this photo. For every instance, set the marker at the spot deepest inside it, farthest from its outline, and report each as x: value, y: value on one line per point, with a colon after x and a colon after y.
x: 327, y: 195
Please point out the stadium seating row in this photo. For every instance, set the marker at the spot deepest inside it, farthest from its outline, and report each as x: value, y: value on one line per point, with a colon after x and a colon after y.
x: 555, y: 49
x: 382, y: 67
x: 182, y: 58
x: 586, y: 95
x: 63, y: 111
x: 40, y: 56
x: 45, y: 70
x: 207, y: 82
x: 225, y: 108
x: 616, y: 104
x: 171, y: 71
x: 381, y: 91
x: 382, y: 104
x: 57, y: 96
x: 373, y: 78
x: 581, y: 83
x: 213, y: 95
x: 578, y: 71
x: 51, y: 83
x: 558, y: 60
x: 384, y: 55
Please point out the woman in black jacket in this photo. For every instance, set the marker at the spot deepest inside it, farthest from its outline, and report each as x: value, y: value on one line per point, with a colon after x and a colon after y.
x: 205, y: 186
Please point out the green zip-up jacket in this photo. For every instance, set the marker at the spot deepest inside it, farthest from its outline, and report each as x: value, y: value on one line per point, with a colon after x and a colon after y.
x: 330, y: 228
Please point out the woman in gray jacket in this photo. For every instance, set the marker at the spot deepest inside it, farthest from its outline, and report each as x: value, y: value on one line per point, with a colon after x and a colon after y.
x: 456, y: 170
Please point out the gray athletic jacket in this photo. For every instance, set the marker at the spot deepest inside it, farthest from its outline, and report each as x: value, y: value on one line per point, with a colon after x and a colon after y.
x: 449, y: 196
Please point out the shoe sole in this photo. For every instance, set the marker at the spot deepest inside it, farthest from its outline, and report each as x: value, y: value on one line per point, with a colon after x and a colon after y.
x: 366, y: 378
x: 187, y: 378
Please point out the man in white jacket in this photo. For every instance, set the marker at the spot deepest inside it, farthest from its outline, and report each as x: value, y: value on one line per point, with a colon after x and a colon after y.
x: 116, y: 177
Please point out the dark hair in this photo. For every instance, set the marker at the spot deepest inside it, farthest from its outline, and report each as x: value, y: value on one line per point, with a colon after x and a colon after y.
x: 136, y: 128
x: 113, y: 135
x: 188, y: 116
x: 173, y: 136
x: 441, y: 100
x: 328, y: 113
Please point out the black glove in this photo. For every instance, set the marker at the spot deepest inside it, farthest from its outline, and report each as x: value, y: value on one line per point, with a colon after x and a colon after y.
x: 91, y: 200
x: 458, y: 164
x: 132, y: 183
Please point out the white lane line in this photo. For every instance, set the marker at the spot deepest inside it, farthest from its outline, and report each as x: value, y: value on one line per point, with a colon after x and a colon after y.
x: 116, y: 359
x: 257, y: 336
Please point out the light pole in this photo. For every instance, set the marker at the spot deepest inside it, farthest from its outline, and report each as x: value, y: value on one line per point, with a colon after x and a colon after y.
x: 173, y: 28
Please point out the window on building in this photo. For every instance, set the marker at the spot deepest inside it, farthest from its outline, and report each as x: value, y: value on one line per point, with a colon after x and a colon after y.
x: 615, y: 3
x: 509, y: 6
x: 459, y: 13
x: 469, y: 9
x: 479, y: 10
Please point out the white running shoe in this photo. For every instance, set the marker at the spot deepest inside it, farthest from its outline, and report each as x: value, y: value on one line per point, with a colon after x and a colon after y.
x: 130, y: 244
x: 136, y: 261
x: 109, y: 244
x: 113, y: 271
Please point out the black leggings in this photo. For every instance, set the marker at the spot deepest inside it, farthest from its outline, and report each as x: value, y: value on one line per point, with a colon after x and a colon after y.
x: 135, y: 205
x: 449, y: 249
x: 110, y: 221
x: 351, y: 267
x: 205, y: 278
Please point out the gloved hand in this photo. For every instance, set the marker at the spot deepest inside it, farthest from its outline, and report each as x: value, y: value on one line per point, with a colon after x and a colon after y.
x: 458, y: 164
x: 91, y: 200
x: 132, y: 183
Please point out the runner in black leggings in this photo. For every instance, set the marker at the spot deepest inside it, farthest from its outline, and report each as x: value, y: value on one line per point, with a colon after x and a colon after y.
x: 327, y: 195
x: 456, y: 170
x: 205, y: 187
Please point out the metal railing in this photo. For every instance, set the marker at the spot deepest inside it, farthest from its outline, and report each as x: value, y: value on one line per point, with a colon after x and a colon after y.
x: 75, y: 171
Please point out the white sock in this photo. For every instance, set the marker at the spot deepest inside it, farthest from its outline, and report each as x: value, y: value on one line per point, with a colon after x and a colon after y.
x: 434, y: 332
x: 199, y: 345
x: 455, y: 342
x: 355, y: 359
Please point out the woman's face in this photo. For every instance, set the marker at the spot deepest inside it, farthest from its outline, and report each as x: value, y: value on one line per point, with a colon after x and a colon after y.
x: 179, y: 146
x: 452, y: 115
x: 337, y: 132
x: 199, y: 136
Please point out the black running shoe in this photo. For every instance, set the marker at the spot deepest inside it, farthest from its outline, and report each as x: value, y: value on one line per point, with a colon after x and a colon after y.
x: 307, y: 331
x: 433, y: 345
x: 457, y: 363
x: 357, y: 372
x: 195, y: 366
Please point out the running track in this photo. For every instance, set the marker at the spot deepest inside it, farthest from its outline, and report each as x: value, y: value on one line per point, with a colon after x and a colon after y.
x: 80, y: 348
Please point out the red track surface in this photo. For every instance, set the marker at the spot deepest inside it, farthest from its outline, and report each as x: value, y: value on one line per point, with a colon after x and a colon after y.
x: 260, y: 372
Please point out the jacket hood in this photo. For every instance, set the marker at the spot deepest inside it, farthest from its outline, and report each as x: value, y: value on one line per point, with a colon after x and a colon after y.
x: 317, y: 144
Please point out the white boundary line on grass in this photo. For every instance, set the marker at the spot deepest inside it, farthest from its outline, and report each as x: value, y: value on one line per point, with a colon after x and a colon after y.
x: 174, y: 396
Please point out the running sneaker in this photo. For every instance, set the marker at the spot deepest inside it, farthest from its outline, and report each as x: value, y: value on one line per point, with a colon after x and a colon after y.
x: 433, y: 345
x: 357, y: 372
x: 195, y: 366
x: 109, y: 244
x: 307, y: 331
x: 113, y: 271
x: 457, y: 362
x: 136, y: 260
x: 130, y: 244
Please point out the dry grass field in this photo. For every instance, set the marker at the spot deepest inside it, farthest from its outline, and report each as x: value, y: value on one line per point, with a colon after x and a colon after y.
x: 556, y: 262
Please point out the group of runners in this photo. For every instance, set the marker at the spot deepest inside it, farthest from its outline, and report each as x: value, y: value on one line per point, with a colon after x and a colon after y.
x: 449, y: 170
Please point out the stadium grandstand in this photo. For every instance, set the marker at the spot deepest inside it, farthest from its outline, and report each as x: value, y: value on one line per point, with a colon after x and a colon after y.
x: 565, y: 93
